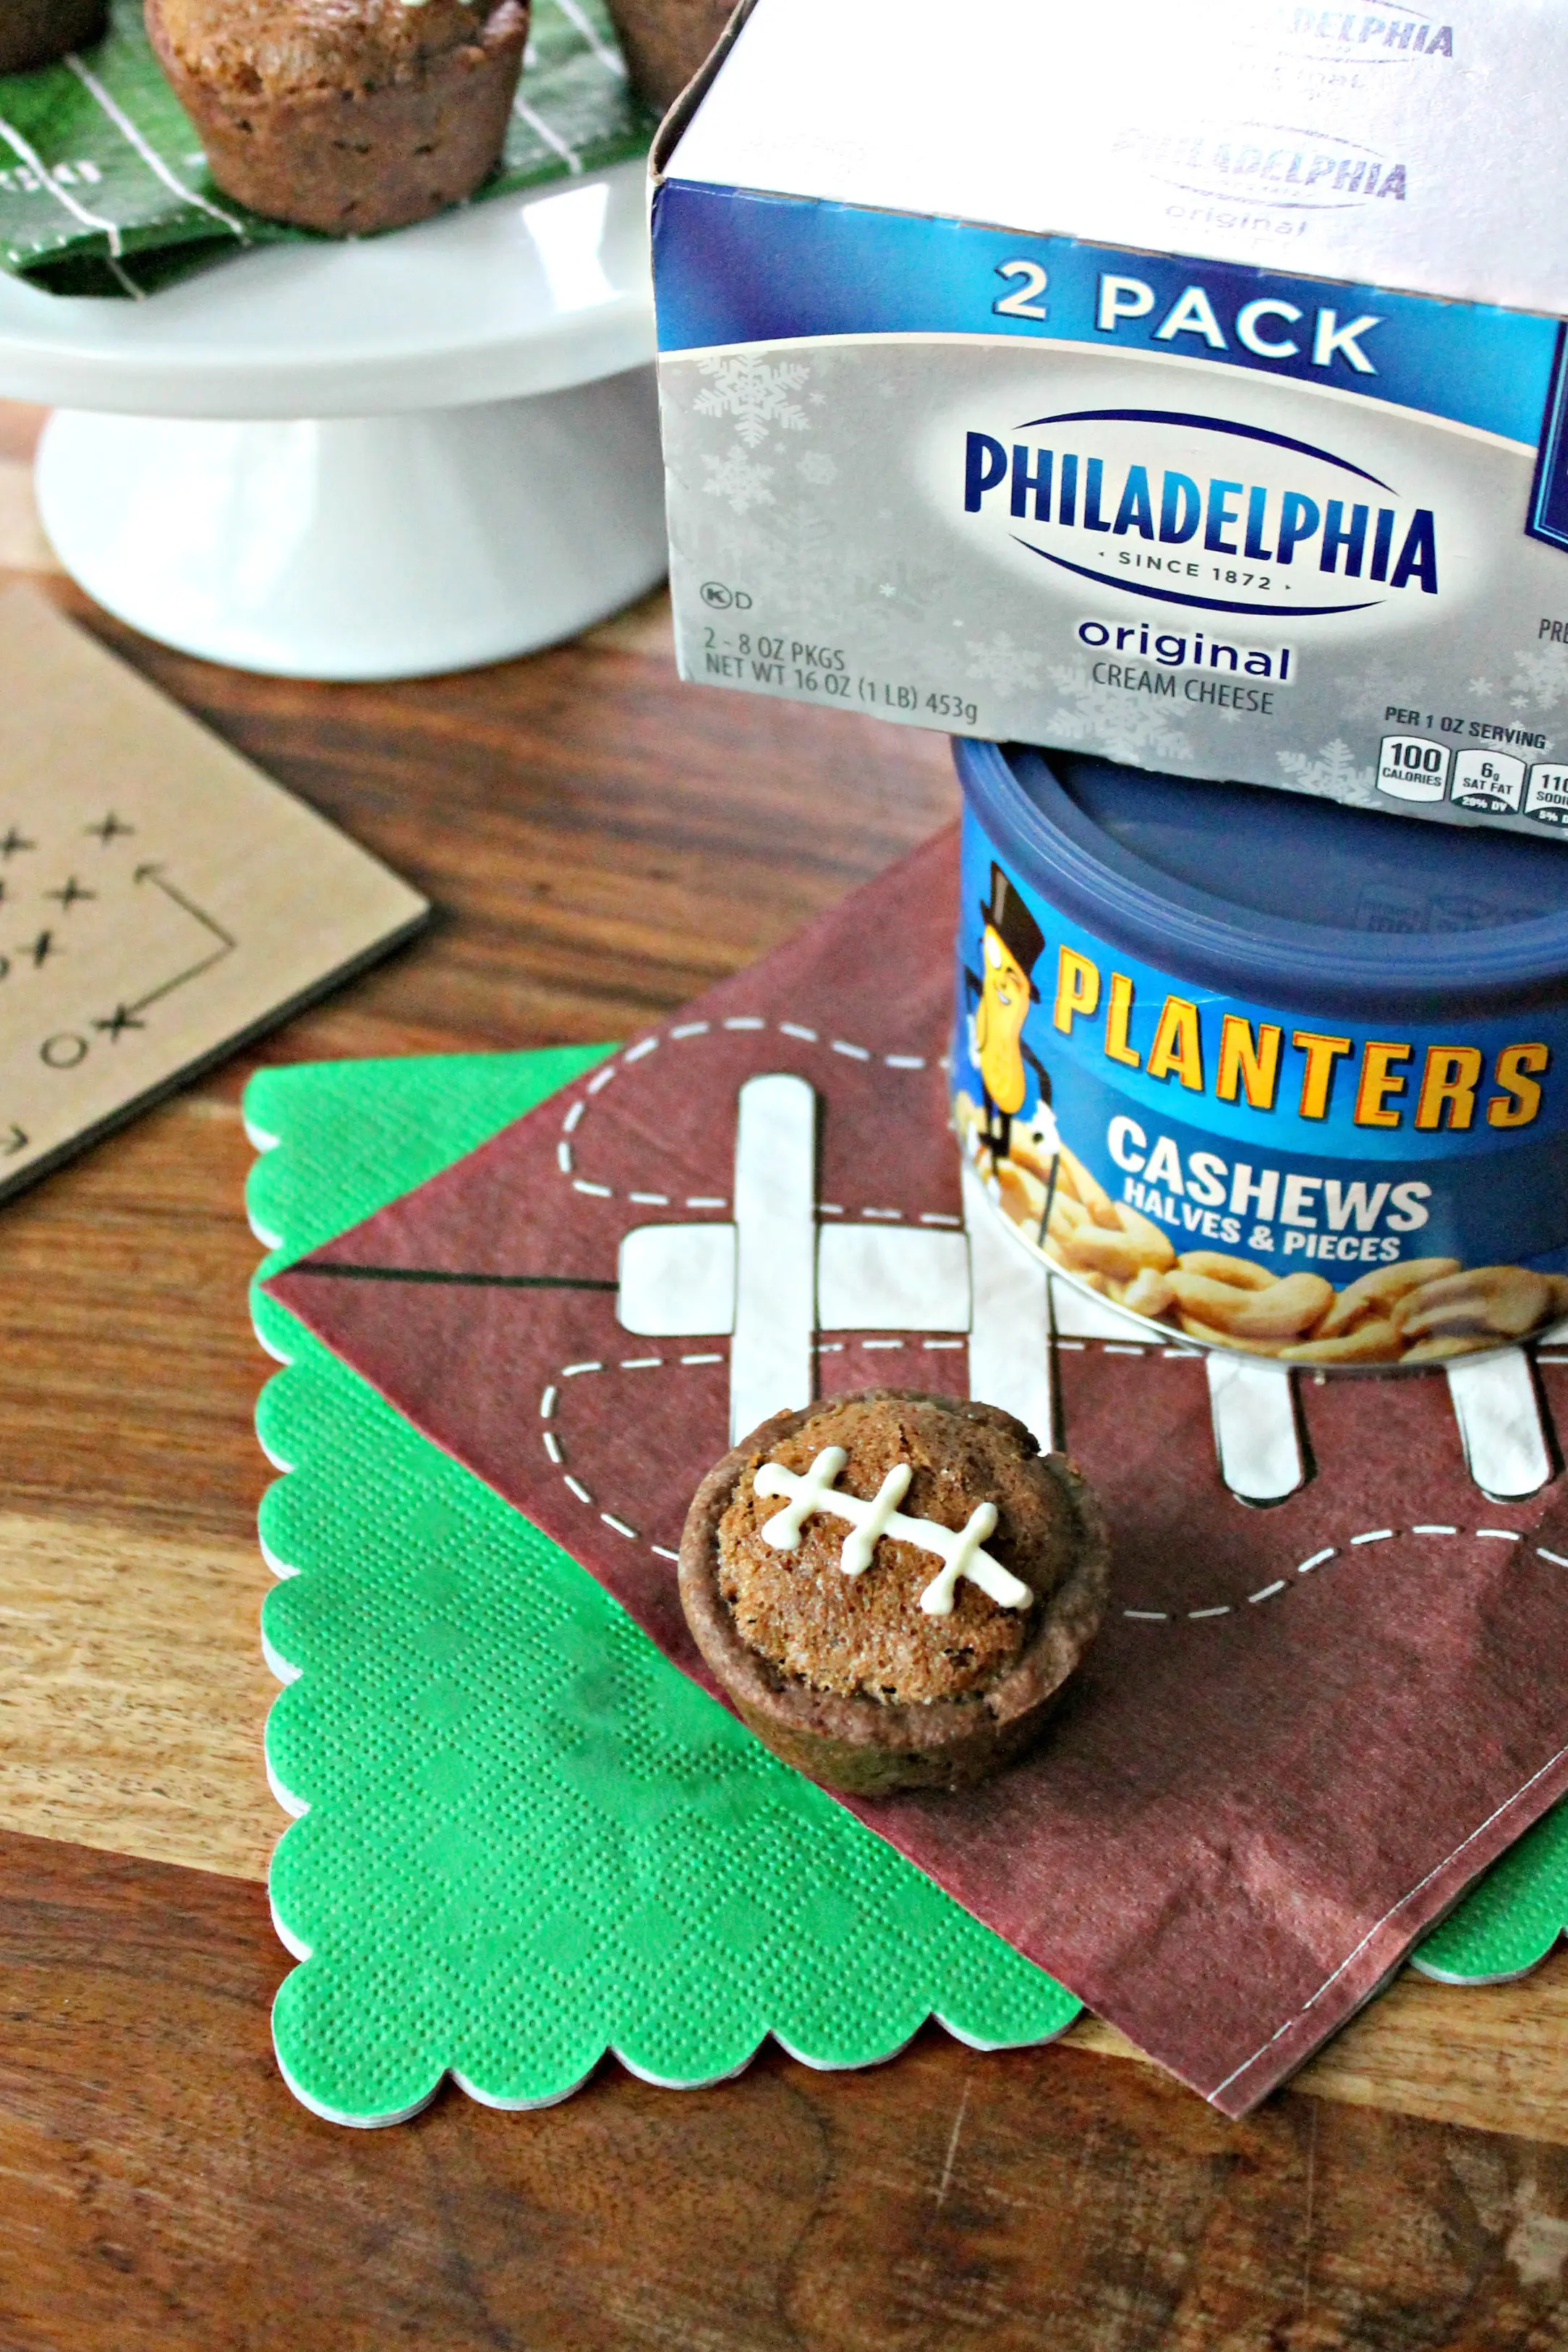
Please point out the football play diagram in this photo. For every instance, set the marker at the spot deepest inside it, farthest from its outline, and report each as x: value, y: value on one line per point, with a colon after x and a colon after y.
x: 160, y: 899
x: 89, y: 922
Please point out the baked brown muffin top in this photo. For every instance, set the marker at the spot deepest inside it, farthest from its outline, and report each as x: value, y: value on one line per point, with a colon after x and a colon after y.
x: 867, y: 1635
x: 292, y: 49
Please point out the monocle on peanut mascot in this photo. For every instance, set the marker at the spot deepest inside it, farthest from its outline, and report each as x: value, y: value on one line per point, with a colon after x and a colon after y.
x: 1011, y: 945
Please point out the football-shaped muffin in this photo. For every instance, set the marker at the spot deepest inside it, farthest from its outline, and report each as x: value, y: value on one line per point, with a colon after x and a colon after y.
x: 892, y: 1588
x: 37, y: 31
x: 344, y: 115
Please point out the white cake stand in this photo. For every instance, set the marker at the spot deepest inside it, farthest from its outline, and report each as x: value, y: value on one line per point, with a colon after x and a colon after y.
x: 364, y: 460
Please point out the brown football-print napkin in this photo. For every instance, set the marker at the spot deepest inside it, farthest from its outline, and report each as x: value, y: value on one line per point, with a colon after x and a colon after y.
x: 1303, y: 1730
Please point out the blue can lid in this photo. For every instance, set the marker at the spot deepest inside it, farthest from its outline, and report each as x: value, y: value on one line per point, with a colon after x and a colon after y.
x: 1276, y: 896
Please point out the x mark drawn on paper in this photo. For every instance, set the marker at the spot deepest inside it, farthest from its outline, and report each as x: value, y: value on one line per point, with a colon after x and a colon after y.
x: 151, y: 915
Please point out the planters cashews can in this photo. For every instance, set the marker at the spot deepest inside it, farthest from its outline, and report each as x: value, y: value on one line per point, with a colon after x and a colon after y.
x: 1272, y: 1075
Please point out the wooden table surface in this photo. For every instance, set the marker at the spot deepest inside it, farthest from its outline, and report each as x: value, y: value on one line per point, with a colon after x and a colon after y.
x: 601, y: 842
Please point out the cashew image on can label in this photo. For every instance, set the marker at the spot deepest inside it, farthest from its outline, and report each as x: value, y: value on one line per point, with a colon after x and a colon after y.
x: 1370, y: 1343
x: 1135, y: 1244
x: 1374, y: 1294
x: 1507, y: 1299
x: 1196, y: 1329
x: 1415, y: 1311
x: 1241, y: 1273
x: 1148, y: 1293
x: 1286, y: 1310
x: 1084, y: 1186
x: 1067, y: 1218
x: 1447, y: 1343
x: 1023, y: 1196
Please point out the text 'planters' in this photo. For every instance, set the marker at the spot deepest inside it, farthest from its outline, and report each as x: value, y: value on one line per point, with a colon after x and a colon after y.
x: 1274, y: 1075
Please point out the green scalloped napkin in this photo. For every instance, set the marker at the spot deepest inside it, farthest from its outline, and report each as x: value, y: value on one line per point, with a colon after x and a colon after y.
x: 526, y: 1838
x: 530, y: 1838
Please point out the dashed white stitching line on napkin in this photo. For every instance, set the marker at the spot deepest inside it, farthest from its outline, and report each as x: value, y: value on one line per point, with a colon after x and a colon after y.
x: 555, y: 1453
x: 798, y: 1030
x: 1321, y: 1560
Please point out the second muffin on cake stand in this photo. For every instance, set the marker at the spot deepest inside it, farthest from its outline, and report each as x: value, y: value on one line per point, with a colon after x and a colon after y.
x: 344, y: 118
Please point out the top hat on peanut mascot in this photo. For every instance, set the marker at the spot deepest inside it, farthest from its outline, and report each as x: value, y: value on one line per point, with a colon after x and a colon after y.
x: 1011, y: 945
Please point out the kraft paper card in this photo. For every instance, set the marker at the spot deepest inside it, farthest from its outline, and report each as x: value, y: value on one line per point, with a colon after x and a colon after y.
x: 1304, y: 1731
x: 160, y: 898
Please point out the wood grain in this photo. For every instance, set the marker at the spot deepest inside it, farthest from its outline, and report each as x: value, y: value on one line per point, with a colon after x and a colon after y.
x: 600, y: 842
x: 1492, y: 2056
x: 162, y: 2193
x: 132, y: 1692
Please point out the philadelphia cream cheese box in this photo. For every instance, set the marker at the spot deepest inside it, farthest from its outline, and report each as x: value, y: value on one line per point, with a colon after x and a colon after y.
x: 1180, y: 384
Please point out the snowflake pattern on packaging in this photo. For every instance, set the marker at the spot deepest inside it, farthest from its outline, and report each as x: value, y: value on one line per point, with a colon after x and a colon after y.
x: 740, y: 480
x: 901, y: 587
x: 1333, y: 774
x: 1356, y: 697
x: 1539, y: 677
x: 817, y: 468
x: 758, y: 394
x: 1002, y: 661
x: 808, y: 553
x: 1139, y: 733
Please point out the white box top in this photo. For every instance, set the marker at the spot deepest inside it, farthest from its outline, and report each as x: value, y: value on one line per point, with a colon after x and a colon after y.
x: 1419, y: 149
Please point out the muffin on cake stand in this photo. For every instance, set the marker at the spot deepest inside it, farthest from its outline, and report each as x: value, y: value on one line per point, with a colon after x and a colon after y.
x: 359, y: 461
